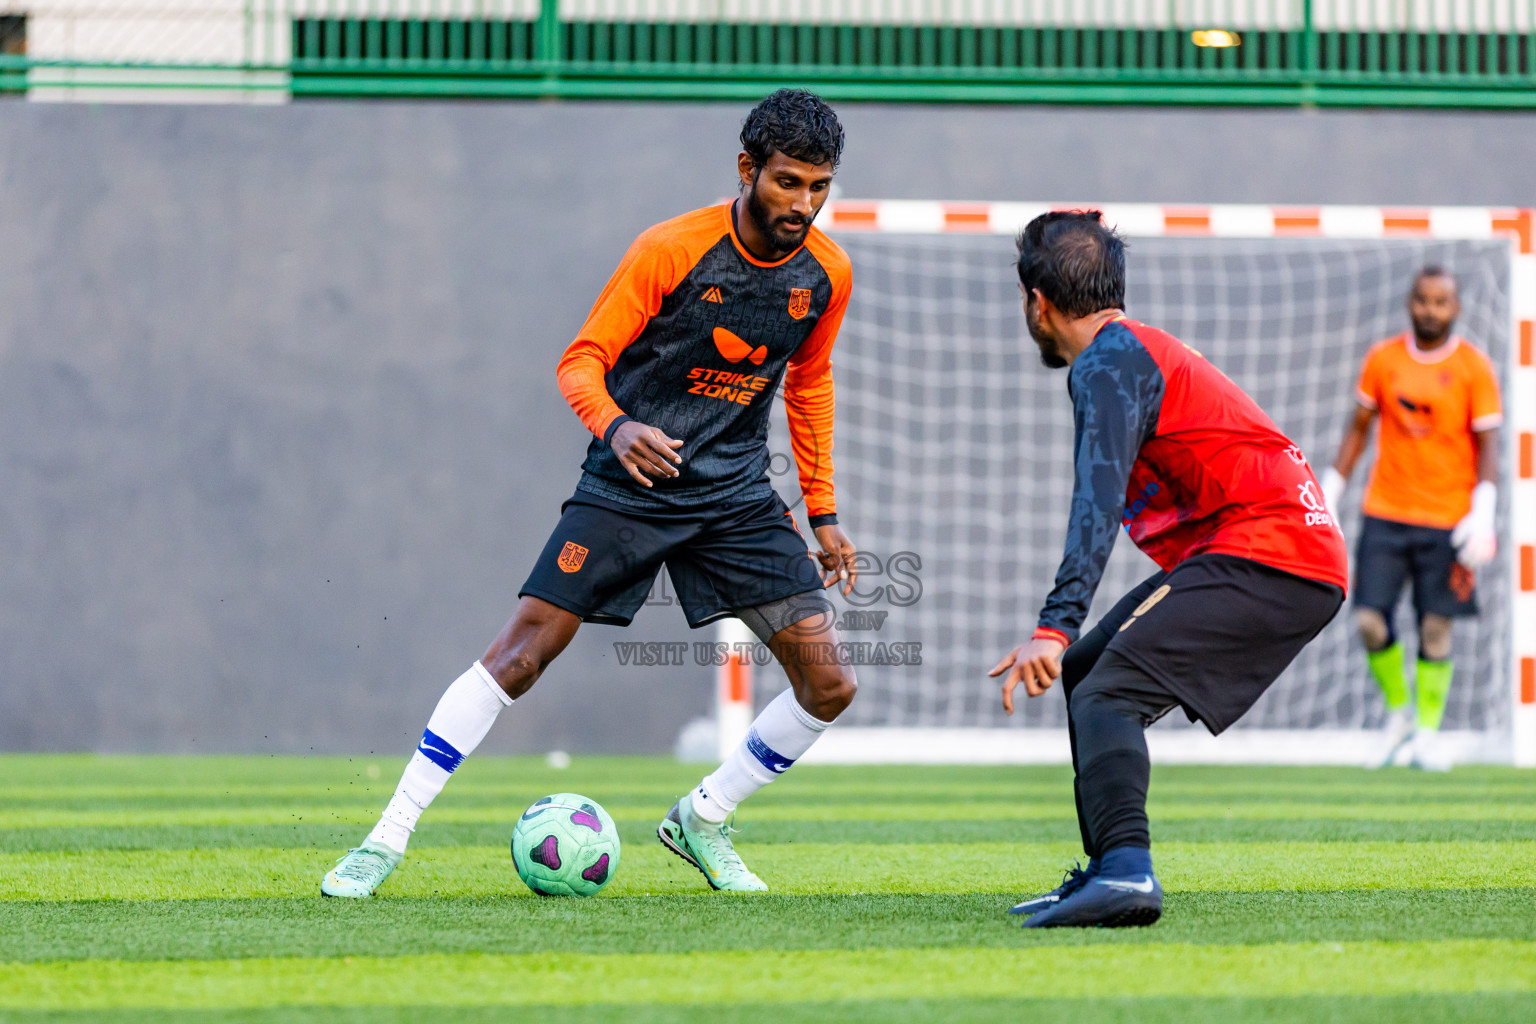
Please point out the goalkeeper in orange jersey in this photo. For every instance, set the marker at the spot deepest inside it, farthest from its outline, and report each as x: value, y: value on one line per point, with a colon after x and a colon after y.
x: 1429, y: 506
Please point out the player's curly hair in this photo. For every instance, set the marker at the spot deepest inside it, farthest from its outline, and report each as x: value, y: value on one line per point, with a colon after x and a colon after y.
x: 796, y: 123
x: 1075, y: 259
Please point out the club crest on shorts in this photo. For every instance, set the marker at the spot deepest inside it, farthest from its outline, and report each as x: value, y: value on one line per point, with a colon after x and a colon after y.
x: 799, y: 302
x: 1463, y: 582
x: 571, y: 557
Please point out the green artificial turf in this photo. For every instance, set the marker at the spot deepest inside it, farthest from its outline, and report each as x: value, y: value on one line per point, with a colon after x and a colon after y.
x: 186, y: 889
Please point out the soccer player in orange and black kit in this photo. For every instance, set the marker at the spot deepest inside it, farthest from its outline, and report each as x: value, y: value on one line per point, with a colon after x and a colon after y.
x: 1429, y: 507
x: 1252, y: 567
x: 673, y: 373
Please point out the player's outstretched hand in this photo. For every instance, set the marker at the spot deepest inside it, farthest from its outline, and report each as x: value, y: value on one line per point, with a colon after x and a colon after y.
x: 645, y: 450
x: 837, y: 557
x: 1036, y: 664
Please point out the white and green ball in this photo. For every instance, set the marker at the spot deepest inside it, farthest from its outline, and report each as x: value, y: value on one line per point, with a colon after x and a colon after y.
x: 565, y: 845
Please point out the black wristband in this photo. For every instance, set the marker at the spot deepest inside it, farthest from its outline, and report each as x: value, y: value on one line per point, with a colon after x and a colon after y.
x: 608, y: 434
x: 826, y: 519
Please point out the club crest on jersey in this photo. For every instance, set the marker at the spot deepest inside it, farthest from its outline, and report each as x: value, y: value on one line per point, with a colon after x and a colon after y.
x: 799, y: 302
x: 571, y: 557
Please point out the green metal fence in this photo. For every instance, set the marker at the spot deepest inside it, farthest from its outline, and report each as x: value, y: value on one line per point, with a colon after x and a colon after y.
x: 1324, y: 53
x: 551, y: 56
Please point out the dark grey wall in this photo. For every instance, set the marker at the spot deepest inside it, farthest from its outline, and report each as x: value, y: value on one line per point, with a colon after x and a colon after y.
x: 279, y: 436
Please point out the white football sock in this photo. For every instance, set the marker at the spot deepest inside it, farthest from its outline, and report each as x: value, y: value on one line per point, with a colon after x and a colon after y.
x: 778, y: 738
x: 462, y: 718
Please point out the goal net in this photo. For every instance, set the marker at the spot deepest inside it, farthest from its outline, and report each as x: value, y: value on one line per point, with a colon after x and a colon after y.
x: 954, y: 468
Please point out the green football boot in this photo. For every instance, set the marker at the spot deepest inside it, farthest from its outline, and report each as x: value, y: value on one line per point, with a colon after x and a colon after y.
x: 707, y: 847
x: 359, y: 874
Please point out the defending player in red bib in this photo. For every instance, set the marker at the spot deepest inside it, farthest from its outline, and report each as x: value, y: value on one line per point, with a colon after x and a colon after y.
x: 1252, y: 565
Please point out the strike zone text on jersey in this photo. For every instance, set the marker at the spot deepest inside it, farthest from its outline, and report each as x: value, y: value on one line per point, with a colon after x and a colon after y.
x: 726, y: 385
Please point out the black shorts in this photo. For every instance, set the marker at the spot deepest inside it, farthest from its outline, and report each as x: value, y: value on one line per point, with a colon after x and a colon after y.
x: 601, y: 562
x: 1390, y: 554
x: 1213, y: 633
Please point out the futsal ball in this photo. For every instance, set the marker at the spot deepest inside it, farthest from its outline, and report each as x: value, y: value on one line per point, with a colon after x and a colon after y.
x: 565, y: 845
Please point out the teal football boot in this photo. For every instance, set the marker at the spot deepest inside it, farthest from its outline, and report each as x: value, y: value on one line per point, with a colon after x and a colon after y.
x: 359, y: 874
x: 707, y: 847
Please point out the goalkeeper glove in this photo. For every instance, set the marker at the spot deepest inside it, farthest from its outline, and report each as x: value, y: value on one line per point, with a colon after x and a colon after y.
x: 1332, y: 482
x: 1475, y: 539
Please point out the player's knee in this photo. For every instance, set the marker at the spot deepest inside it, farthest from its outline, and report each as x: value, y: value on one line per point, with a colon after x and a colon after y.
x: 1373, y: 628
x: 1095, y: 716
x: 1101, y: 698
x: 1434, y: 638
x: 1086, y: 701
x: 831, y: 690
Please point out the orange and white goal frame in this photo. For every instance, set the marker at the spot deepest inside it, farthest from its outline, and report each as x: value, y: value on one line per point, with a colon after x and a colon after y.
x: 1249, y: 221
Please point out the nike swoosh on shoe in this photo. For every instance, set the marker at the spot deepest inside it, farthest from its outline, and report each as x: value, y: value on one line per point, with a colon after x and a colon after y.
x: 1143, y: 886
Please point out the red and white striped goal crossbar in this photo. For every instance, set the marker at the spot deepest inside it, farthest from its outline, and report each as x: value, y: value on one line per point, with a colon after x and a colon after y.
x: 898, y: 216
x: 1346, y: 222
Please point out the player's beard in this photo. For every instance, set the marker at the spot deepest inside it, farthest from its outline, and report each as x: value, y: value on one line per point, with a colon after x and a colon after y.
x: 1050, y: 352
x: 784, y: 240
x: 1431, y: 332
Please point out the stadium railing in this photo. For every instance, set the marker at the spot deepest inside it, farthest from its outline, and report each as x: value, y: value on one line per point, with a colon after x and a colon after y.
x: 1475, y: 53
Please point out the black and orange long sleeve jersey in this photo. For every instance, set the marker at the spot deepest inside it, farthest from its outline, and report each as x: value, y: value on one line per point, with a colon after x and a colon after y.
x: 693, y: 335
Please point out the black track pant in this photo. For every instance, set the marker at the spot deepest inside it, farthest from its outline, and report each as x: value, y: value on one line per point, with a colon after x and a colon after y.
x: 1208, y: 636
x: 1114, y: 722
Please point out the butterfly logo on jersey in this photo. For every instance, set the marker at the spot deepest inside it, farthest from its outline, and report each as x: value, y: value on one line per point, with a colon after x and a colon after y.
x: 799, y: 302
x: 1418, y: 417
x: 735, y: 349
x: 571, y: 557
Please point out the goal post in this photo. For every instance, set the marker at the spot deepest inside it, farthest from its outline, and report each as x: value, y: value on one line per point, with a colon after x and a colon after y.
x: 953, y: 459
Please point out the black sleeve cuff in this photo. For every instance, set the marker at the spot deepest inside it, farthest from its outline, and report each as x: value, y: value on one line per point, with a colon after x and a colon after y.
x: 608, y: 434
x: 826, y: 519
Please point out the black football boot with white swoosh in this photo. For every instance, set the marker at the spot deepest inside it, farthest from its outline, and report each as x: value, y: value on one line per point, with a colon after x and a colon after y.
x: 1076, y: 877
x: 1125, y: 894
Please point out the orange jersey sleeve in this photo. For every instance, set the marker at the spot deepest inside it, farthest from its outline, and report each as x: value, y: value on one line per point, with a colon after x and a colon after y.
x: 1487, y: 407
x: 652, y: 267
x: 1368, y: 390
x: 809, y: 400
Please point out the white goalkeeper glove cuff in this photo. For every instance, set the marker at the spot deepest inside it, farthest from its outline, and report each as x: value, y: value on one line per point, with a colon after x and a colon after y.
x: 1475, y: 537
x: 1332, y: 482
